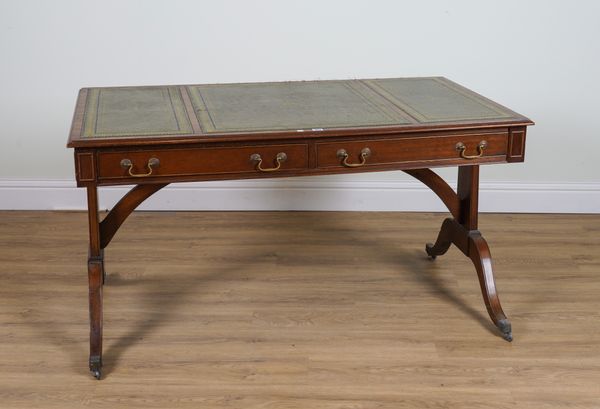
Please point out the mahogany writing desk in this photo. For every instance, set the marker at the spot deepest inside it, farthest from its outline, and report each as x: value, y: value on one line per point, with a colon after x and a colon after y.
x: 153, y: 136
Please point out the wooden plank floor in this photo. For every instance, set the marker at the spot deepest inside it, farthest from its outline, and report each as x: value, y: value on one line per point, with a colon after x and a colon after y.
x: 299, y: 310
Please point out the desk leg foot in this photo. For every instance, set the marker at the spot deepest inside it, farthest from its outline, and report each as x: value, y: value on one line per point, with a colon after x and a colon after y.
x: 506, y: 329
x: 95, y: 269
x: 443, y: 242
x: 479, y: 253
x: 96, y: 366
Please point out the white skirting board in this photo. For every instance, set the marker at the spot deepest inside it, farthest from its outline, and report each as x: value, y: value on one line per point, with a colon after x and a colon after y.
x: 307, y: 194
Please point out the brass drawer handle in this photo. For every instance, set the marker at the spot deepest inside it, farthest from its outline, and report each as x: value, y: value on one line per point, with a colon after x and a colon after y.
x: 128, y: 164
x: 364, y: 154
x: 462, y: 148
x: 279, y: 159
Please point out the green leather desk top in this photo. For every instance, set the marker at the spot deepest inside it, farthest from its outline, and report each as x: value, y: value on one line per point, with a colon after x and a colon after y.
x: 308, y: 106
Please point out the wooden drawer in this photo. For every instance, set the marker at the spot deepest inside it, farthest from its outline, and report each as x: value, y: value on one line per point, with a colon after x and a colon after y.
x: 200, y: 161
x: 439, y: 149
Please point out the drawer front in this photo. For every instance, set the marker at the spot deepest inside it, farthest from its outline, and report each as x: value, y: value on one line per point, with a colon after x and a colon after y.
x: 201, y: 161
x: 419, y: 149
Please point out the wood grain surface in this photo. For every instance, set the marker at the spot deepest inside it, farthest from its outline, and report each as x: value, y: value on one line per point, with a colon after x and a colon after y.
x: 299, y: 310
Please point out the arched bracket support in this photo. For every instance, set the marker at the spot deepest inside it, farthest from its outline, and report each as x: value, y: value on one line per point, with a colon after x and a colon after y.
x: 462, y: 231
x: 439, y: 186
x: 119, y: 213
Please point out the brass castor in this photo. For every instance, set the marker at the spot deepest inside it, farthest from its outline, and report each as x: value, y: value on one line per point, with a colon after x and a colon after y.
x: 428, y: 250
x: 96, y: 367
x: 97, y: 373
x: 506, y: 328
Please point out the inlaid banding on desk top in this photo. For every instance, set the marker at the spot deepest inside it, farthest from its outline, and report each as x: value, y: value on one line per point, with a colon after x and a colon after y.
x: 135, y: 111
x: 282, y: 106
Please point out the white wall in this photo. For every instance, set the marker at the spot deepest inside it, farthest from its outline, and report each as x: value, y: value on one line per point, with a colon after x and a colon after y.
x: 540, y: 58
